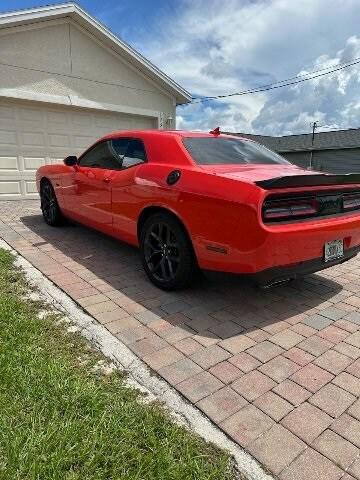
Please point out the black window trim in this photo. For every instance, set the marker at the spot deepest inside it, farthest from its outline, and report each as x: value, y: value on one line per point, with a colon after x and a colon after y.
x: 89, y: 150
x: 109, y: 140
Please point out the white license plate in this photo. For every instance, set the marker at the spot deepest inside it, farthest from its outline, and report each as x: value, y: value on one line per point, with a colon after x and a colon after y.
x: 333, y: 250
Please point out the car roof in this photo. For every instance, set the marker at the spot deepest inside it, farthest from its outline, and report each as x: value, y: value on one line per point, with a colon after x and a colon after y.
x: 164, y: 133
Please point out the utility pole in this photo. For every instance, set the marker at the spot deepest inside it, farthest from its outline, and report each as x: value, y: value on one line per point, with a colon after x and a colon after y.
x: 314, y: 127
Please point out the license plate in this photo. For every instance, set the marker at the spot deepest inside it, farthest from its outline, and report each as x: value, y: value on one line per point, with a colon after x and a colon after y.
x: 333, y: 250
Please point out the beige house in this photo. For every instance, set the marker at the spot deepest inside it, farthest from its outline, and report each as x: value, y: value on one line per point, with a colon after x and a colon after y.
x: 65, y: 80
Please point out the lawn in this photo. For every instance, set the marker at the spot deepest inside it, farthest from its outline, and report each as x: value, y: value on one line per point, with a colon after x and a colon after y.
x: 62, y: 419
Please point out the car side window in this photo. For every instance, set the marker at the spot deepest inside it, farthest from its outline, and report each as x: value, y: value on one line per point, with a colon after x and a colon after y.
x: 131, y: 150
x: 102, y: 155
x: 120, y: 146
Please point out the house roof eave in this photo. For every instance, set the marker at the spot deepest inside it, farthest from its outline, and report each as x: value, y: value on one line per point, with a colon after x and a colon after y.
x: 74, y: 11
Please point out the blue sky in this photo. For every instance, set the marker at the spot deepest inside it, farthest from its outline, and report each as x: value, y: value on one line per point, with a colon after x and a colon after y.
x: 213, y: 47
x: 139, y: 14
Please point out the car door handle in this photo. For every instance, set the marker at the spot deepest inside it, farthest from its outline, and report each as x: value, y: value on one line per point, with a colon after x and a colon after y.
x: 106, y: 180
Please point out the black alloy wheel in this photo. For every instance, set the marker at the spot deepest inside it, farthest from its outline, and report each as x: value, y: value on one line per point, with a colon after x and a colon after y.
x: 49, y: 205
x: 167, y: 253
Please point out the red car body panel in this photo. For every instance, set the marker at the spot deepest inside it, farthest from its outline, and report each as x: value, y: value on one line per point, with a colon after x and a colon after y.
x: 219, y: 205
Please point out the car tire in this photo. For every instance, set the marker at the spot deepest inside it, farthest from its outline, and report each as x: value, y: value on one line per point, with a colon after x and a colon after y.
x: 49, y: 205
x: 166, y: 252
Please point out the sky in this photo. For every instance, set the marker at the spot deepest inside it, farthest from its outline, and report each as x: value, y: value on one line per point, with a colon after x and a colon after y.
x: 213, y: 47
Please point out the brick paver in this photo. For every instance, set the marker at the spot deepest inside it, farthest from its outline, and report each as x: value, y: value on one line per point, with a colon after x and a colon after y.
x: 315, y: 345
x: 247, y: 425
x: 237, y: 344
x: 124, y: 323
x: 333, y: 361
x: 332, y: 400
x: 347, y: 476
x: 265, y: 351
x: 226, y: 372
x: 208, y: 357
x: 188, y: 346
x: 277, y: 370
x: 287, y: 339
x: 199, y: 386
x: 317, y: 321
x: 355, y: 469
x: 348, y: 427
x: 348, y: 382
x: 312, y: 377
x: 354, y: 339
x: 162, y: 358
x: 354, y: 410
x: 273, y: 405
x: 348, y: 350
x: 221, y: 404
x: 354, y: 369
x: 277, y: 448
x: 253, y: 384
x: 245, y: 362
x: 298, y: 356
x: 307, y: 422
x: 333, y: 334
x: 179, y: 371
x: 336, y: 448
x: 148, y: 345
x: 311, y: 465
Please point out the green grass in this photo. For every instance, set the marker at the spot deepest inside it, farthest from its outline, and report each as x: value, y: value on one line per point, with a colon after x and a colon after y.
x: 61, y: 420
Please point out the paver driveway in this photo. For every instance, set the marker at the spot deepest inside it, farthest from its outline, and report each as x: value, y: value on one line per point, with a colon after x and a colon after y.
x: 278, y: 370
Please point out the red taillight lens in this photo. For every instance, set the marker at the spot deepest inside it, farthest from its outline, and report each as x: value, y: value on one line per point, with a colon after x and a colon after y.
x: 351, y: 202
x: 294, y: 208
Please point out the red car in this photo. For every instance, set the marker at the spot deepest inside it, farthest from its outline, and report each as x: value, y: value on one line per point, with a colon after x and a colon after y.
x: 206, y: 201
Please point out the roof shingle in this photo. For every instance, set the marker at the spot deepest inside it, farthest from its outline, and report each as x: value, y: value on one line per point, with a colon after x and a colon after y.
x: 336, y: 139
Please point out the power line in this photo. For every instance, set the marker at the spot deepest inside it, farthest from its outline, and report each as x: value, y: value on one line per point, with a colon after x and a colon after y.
x: 282, y: 83
x: 271, y: 86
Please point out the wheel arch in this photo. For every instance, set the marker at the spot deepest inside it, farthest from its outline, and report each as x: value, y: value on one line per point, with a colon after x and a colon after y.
x: 43, y: 180
x: 153, y: 209
x: 40, y: 182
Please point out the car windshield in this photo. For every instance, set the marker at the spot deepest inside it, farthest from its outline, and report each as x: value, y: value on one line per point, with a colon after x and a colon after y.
x: 230, y: 151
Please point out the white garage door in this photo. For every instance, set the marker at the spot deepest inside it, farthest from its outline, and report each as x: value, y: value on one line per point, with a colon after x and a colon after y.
x: 32, y: 135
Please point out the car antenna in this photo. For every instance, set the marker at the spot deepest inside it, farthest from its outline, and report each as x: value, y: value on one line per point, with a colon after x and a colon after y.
x: 216, y: 131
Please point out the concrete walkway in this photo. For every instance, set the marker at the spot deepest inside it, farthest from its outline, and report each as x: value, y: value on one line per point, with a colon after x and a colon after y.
x: 278, y: 371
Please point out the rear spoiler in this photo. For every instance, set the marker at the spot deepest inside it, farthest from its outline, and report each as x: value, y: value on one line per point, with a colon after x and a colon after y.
x: 309, y: 180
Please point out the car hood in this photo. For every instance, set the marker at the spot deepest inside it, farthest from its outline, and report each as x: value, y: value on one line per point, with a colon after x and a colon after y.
x: 254, y: 173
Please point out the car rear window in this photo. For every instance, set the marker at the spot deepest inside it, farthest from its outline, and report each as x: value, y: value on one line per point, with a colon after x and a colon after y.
x: 223, y: 151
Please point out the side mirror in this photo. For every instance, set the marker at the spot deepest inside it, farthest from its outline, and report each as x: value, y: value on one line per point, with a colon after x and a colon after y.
x: 71, y: 161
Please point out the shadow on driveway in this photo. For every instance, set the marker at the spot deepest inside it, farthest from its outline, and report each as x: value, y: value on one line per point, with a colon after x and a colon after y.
x: 214, y: 298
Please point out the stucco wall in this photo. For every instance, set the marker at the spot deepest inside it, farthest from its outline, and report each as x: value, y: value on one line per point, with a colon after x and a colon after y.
x: 60, y: 59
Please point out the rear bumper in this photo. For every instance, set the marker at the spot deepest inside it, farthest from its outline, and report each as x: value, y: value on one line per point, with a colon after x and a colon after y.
x: 274, y: 275
x: 251, y: 248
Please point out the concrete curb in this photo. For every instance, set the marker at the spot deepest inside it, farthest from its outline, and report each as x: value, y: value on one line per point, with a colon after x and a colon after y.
x: 139, y: 375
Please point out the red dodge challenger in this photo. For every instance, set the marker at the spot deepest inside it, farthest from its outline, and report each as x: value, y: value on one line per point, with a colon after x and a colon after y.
x: 206, y: 201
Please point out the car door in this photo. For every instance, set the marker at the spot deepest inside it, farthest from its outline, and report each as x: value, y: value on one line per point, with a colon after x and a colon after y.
x: 126, y: 197
x: 89, y: 195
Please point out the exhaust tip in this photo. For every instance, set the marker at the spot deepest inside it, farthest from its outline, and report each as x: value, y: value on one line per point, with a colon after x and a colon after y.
x: 276, y: 283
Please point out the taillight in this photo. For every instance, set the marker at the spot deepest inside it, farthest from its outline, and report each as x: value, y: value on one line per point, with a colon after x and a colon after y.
x: 277, y: 210
x: 351, y: 201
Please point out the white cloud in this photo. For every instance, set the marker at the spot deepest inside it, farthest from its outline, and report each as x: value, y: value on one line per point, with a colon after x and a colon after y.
x: 332, y: 100
x: 213, y: 48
